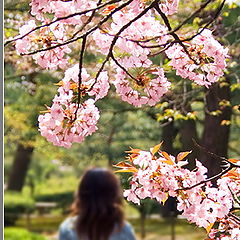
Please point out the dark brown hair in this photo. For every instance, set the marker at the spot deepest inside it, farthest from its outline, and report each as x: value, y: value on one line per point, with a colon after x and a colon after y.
x: 98, y: 204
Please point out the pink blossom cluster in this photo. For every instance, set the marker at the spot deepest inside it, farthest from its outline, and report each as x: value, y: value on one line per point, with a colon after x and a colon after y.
x: 146, y: 27
x: 39, y: 9
x: 151, y: 82
x: 48, y: 37
x: 227, y: 229
x: 158, y: 175
x: 206, y: 62
x: 65, y: 124
x: 169, y: 7
x: 22, y: 46
x: 93, y: 87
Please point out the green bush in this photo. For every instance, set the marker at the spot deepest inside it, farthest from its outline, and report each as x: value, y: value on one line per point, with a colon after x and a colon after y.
x: 63, y: 199
x: 15, y: 204
x: 11, y: 233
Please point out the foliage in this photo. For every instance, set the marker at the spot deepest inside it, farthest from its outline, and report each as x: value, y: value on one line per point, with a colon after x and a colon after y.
x: 63, y: 199
x: 13, y: 233
x: 16, y: 204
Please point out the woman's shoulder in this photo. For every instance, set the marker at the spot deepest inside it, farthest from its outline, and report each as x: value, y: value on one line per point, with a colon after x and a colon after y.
x: 67, y: 229
x: 125, y: 233
x: 69, y: 222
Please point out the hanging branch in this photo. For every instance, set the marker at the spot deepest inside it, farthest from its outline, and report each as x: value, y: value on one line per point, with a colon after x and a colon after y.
x: 110, y: 51
x: 80, y: 75
x: 62, y: 18
x: 173, y: 34
x: 229, y: 166
x: 102, y: 21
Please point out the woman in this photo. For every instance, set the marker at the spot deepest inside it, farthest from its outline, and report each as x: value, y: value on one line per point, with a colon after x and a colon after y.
x: 97, y: 210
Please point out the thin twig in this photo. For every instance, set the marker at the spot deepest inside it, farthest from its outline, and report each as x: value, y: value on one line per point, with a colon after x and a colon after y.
x: 87, y: 22
x: 191, y: 16
x: 123, y: 68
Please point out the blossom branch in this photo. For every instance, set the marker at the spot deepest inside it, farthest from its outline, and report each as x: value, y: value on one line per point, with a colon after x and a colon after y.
x: 87, y: 22
x: 60, y: 19
x: 102, y: 21
x: 230, y: 166
x: 173, y: 34
x: 80, y: 75
x: 110, y: 51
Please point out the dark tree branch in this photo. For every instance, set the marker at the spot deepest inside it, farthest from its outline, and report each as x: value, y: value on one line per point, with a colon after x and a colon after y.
x: 80, y: 75
x: 110, y: 51
x: 62, y: 18
x: 173, y: 34
x: 102, y: 21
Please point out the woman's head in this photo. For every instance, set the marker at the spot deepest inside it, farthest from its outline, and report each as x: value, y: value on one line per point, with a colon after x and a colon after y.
x: 98, y: 204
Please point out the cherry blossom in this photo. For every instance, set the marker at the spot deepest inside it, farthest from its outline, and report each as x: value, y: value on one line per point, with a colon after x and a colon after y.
x: 65, y: 124
x: 152, y: 87
x: 169, y: 7
x: 207, y: 60
x: 128, y: 48
x: 158, y: 175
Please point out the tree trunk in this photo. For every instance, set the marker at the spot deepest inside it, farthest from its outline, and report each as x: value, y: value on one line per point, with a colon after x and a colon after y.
x: 20, y: 166
x: 188, y: 132
x: 215, y: 135
x: 168, y: 136
x: 143, y: 221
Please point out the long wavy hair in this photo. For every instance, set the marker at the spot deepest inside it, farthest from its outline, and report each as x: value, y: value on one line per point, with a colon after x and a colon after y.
x: 98, y: 205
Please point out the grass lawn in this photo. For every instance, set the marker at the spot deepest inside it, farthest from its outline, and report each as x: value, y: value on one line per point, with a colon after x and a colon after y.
x: 156, y: 229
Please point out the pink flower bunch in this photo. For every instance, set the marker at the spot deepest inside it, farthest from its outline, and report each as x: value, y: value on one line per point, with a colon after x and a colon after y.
x: 48, y: 37
x: 59, y: 8
x: 227, y: 229
x: 204, y: 207
x: 100, y: 87
x: 207, y: 62
x: 151, y: 82
x: 146, y: 27
x: 53, y: 58
x: 65, y: 124
x: 23, y: 45
x: 93, y: 87
x: 169, y: 7
x: 157, y: 175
